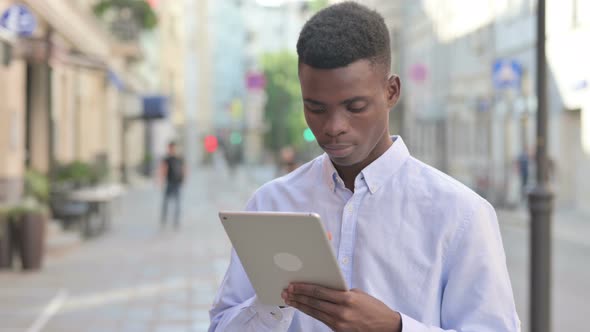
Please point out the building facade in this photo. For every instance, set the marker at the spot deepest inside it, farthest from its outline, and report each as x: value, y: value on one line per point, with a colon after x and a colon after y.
x: 185, y: 74
x: 12, y: 118
x: 455, y: 116
x: 67, y: 94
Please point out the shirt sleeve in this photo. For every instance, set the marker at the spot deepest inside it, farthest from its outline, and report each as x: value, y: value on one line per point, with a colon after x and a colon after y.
x: 236, y: 307
x: 477, y: 294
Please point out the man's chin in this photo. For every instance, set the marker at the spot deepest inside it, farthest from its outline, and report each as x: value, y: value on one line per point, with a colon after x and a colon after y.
x: 343, y: 161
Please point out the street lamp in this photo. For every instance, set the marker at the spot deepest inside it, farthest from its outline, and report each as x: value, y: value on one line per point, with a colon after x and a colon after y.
x: 541, y: 199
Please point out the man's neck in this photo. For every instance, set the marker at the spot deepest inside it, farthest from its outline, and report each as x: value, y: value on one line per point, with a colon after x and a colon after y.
x: 348, y: 174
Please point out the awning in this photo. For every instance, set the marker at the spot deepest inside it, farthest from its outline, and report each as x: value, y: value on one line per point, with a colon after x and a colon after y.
x: 155, y: 107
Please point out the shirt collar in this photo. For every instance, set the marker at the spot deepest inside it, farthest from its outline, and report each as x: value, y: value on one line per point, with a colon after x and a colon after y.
x: 376, y: 173
x: 329, y: 173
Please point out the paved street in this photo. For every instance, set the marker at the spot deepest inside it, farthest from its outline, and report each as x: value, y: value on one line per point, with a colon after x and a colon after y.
x: 141, y: 278
x: 571, y: 267
x: 137, y: 277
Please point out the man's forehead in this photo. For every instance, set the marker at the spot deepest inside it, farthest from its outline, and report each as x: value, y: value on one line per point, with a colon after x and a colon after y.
x: 353, y: 72
x: 356, y: 79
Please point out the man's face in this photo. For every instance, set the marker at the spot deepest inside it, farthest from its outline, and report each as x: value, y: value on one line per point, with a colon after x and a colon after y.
x: 347, y: 109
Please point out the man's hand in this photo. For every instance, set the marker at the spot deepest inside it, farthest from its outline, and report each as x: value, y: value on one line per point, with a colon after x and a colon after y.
x: 343, y: 311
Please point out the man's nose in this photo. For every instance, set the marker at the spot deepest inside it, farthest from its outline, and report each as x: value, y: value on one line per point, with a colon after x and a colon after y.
x: 336, y: 124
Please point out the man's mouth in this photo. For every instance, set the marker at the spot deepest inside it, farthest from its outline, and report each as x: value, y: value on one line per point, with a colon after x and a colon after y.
x: 337, y: 150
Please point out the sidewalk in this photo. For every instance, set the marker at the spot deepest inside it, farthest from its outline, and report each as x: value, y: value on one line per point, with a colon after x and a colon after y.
x: 137, y: 277
x: 569, y: 225
x: 570, y: 272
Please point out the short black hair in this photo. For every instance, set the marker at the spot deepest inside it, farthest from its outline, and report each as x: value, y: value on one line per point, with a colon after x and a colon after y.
x: 343, y: 33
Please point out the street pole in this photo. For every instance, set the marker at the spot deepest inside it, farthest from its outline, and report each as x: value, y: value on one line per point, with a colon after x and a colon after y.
x: 541, y: 199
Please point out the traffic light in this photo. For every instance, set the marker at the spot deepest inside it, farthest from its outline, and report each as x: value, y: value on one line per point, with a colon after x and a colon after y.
x: 235, y: 138
x: 308, y: 135
x: 211, y: 143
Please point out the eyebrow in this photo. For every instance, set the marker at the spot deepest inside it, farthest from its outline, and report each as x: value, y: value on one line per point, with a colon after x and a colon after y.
x: 347, y: 101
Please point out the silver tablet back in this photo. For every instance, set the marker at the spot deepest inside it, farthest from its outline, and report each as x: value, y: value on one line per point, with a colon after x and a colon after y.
x: 277, y: 248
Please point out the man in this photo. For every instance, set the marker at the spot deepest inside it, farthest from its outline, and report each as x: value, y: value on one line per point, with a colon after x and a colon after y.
x: 420, y: 251
x: 172, y: 172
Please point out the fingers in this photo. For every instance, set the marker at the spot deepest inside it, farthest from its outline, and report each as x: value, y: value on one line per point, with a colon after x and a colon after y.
x: 313, y: 312
x: 319, y: 292
x: 315, y: 303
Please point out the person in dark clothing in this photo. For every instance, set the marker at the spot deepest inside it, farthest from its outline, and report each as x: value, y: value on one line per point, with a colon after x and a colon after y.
x: 523, y: 172
x: 172, y: 172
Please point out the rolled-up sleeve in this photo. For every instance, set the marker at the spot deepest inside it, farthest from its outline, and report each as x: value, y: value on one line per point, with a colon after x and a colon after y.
x: 477, y: 294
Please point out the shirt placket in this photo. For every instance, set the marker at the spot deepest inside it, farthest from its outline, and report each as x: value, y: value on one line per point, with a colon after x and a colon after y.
x: 346, y: 248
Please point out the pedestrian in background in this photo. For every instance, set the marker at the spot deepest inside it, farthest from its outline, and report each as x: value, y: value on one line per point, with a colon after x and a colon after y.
x: 288, y: 160
x: 172, y: 175
x: 522, y: 163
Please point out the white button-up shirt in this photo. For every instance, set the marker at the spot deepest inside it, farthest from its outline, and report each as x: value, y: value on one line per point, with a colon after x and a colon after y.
x: 409, y: 235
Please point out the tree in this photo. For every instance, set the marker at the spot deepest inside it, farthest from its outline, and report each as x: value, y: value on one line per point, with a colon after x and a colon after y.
x: 284, y: 106
x: 130, y: 17
x: 140, y: 9
x: 317, y: 5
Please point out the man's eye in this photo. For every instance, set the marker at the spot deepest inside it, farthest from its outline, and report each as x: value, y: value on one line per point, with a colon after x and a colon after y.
x: 319, y: 110
x: 357, y: 110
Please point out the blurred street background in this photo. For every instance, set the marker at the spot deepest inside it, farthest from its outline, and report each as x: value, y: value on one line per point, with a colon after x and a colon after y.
x: 92, y: 92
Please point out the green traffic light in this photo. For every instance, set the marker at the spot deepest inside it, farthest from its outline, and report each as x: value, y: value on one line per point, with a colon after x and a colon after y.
x: 308, y: 136
x: 235, y: 138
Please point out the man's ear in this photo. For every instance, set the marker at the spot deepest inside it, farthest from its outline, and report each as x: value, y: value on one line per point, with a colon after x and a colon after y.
x: 393, y: 90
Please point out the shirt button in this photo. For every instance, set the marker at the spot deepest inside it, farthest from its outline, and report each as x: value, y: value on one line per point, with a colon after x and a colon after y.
x: 349, y: 208
x: 344, y: 260
x: 278, y: 315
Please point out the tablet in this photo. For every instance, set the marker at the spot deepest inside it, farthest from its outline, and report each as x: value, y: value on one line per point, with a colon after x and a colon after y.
x: 277, y: 248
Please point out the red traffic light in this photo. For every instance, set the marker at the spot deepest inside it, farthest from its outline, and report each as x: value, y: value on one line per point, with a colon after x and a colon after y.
x: 211, y: 143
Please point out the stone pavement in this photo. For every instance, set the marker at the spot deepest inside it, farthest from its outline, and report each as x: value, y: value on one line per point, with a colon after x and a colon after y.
x: 137, y: 277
